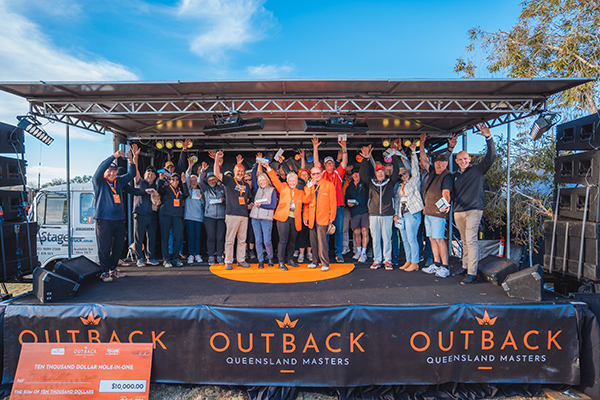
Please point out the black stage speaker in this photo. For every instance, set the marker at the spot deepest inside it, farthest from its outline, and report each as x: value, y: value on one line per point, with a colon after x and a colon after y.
x: 49, y: 287
x: 495, y: 269
x: 580, y: 134
x: 582, y: 168
x: 15, y: 260
x: 9, y: 135
x: 527, y: 284
x: 79, y: 269
x: 12, y: 203
x: 571, y: 204
x: 10, y: 173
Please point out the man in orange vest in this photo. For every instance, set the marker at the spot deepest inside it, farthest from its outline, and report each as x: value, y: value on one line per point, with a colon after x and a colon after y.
x: 319, y: 213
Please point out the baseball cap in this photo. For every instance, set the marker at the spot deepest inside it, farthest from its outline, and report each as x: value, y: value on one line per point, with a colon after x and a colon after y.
x: 113, y: 166
x: 327, y: 159
x: 151, y: 169
x: 169, y: 164
x: 440, y: 157
x: 379, y: 166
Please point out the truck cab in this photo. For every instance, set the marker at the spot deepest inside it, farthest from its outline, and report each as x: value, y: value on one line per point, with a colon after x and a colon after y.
x: 50, y: 212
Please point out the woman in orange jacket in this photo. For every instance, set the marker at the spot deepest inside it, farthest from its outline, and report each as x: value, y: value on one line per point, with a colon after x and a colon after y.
x: 288, y: 215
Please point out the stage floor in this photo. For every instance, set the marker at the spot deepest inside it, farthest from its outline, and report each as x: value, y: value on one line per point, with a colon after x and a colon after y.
x: 194, y: 285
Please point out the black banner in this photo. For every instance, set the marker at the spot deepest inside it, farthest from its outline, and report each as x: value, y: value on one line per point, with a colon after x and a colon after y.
x: 321, y: 346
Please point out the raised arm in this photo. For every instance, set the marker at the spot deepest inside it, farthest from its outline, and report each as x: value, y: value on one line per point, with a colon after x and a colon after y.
x: 217, y: 165
x: 344, y: 162
x: 422, y: 154
x: 366, y: 170
x: 490, y: 155
x: 316, y: 143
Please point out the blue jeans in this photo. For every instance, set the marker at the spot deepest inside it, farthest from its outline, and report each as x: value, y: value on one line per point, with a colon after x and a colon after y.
x: 409, y: 227
x: 262, y: 237
x: 193, y: 228
x: 339, y: 234
x: 381, y: 228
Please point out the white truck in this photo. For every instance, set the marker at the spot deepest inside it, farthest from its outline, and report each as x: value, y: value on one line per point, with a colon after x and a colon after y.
x: 50, y: 212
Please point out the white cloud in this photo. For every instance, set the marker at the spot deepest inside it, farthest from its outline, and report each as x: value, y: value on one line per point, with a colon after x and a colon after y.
x: 29, y: 55
x: 228, y: 24
x: 270, y: 71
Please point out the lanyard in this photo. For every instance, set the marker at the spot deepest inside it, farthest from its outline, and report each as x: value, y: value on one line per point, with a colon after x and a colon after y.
x: 176, y: 194
x: 403, y: 189
x: 240, y: 185
x: 114, y: 190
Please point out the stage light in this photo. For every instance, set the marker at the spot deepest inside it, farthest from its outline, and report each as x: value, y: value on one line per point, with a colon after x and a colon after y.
x: 169, y: 144
x: 385, y: 122
x: 179, y: 144
x: 190, y: 144
x: 297, y: 157
x: 233, y: 124
x: 335, y: 124
x: 407, y: 143
x: 32, y: 126
x: 386, y: 143
x: 359, y: 158
x: 543, y: 124
x: 160, y: 145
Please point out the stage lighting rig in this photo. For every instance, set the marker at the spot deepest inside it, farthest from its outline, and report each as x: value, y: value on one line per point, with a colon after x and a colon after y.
x: 543, y: 124
x: 233, y: 124
x: 31, y: 125
x: 335, y: 124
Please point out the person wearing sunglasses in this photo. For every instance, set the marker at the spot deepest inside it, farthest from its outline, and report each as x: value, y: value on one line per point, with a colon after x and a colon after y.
x: 171, y: 215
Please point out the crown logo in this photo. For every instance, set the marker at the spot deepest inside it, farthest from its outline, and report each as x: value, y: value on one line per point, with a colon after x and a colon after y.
x: 286, y: 323
x: 486, y: 319
x: 90, y: 320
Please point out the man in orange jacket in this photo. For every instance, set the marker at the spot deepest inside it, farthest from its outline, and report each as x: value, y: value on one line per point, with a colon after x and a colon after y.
x: 319, y: 212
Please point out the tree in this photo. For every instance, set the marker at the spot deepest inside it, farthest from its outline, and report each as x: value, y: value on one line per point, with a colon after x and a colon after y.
x: 59, y: 181
x: 552, y: 38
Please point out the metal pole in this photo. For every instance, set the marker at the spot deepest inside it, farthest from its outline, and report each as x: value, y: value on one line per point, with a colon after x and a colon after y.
x: 508, y: 191
x: 69, y: 239
x: 530, y: 249
x: 585, y: 208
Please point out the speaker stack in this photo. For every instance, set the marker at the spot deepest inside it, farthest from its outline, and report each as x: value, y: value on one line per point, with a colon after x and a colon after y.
x: 573, y: 237
x: 18, y: 251
x: 66, y: 279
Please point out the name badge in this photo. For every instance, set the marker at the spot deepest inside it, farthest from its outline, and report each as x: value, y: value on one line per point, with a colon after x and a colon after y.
x: 175, y: 202
x: 117, y: 198
x: 404, y: 199
x: 242, y: 200
x: 215, y: 201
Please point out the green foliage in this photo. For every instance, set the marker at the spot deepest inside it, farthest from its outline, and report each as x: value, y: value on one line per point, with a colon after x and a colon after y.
x: 77, y: 179
x: 552, y: 38
x: 532, y: 180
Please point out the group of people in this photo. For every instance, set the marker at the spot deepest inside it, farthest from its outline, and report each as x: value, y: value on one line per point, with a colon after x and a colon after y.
x: 369, y: 200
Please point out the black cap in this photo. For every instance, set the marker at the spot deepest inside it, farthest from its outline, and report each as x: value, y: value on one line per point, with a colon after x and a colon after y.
x: 440, y: 157
x: 151, y: 169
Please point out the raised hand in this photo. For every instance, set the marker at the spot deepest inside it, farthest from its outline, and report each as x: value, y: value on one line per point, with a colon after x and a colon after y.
x: 315, y: 141
x: 301, y: 153
x: 452, y: 140
x: 186, y: 143
x: 212, y: 153
x: 366, y: 151
x: 413, y: 147
x: 239, y: 159
x: 484, y: 130
x: 204, y: 165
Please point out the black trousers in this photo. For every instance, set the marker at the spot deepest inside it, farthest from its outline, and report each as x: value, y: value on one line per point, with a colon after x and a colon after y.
x: 110, y: 236
x: 141, y: 225
x: 166, y: 223
x: 287, y: 240
x: 215, y: 236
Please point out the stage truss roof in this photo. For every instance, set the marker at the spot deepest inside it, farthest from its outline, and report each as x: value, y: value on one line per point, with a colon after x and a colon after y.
x: 148, y: 111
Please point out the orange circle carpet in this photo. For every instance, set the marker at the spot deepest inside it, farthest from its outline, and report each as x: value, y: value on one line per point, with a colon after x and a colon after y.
x: 275, y: 275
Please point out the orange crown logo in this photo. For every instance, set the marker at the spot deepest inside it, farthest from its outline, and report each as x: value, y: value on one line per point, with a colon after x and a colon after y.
x: 286, y: 323
x: 486, y: 319
x: 90, y: 320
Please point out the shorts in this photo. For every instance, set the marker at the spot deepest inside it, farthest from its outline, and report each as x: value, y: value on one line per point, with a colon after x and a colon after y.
x: 360, y: 221
x: 435, y: 227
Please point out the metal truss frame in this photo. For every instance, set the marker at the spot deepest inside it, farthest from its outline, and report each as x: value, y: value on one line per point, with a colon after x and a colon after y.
x: 92, y: 114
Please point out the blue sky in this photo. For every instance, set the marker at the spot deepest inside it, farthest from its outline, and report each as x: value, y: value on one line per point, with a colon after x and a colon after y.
x: 128, y: 40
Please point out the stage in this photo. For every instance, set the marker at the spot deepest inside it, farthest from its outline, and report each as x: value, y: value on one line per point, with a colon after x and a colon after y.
x: 363, y: 328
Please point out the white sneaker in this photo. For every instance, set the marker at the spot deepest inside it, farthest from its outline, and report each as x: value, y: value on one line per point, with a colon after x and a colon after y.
x: 312, y: 265
x: 432, y: 269
x: 345, y: 251
x: 356, y: 255
x: 300, y: 258
x: 362, y: 258
x: 325, y: 268
x: 442, y: 272
x: 198, y: 258
x: 190, y: 260
x: 309, y: 256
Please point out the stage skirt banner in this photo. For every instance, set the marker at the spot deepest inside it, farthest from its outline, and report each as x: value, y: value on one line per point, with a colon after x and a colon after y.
x: 320, y: 346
